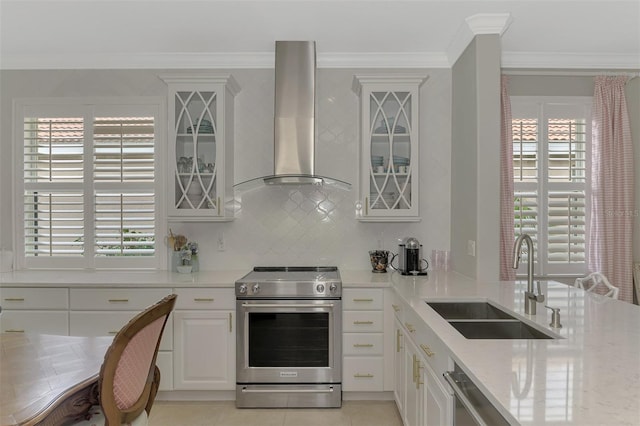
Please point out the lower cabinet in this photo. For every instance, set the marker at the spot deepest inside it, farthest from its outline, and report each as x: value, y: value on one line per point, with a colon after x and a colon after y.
x: 363, y: 340
x: 34, y: 310
x: 420, y: 395
x: 204, y: 342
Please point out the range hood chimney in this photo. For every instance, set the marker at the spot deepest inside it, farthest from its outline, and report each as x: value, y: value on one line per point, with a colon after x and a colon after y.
x: 294, y: 121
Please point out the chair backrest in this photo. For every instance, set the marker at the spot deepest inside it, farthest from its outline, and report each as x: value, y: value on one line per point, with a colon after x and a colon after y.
x: 596, y: 280
x: 127, y: 374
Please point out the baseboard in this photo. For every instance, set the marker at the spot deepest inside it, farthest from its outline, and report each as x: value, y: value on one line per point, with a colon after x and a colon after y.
x: 180, y: 395
x: 367, y: 396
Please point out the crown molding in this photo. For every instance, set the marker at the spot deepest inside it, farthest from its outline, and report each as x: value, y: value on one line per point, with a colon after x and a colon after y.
x: 546, y: 60
x: 482, y: 23
x: 216, y: 61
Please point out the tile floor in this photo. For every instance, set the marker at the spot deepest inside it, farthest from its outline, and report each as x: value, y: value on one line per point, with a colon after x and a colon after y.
x: 224, y: 413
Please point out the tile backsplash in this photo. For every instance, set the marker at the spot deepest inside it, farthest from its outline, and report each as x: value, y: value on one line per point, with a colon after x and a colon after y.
x: 313, y: 225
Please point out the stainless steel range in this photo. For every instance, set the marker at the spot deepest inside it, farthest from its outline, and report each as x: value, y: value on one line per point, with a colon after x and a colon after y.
x: 289, y: 341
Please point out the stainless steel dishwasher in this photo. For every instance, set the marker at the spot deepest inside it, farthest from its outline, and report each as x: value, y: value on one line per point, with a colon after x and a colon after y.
x: 471, y: 406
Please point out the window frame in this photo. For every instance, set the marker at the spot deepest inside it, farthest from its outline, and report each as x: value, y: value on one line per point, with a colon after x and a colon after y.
x: 538, y: 106
x: 89, y: 108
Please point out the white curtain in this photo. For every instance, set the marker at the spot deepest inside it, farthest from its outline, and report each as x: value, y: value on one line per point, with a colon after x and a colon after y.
x: 612, y: 203
x: 507, y: 236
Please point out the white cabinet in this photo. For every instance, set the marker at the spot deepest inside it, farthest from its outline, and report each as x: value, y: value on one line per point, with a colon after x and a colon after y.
x: 204, y: 339
x: 363, y: 340
x: 34, y: 310
x: 104, y: 311
x: 421, y: 359
x: 201, y: 119
x: 389, y: 155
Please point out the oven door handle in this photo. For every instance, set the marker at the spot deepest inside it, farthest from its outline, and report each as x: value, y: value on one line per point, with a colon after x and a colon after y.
x: 290, y: 305
x: 273, y: 390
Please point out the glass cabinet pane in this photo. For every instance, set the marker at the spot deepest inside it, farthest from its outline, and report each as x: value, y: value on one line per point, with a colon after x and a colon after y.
x: 196, y: 132
x: 390, y: 168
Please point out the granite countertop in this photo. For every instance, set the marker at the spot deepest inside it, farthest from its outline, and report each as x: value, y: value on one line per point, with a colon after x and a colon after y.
x: 589, y: 376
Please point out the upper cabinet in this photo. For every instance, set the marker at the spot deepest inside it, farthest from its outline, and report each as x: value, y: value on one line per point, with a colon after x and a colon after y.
x: 389, y: 158
x: 200, y: 151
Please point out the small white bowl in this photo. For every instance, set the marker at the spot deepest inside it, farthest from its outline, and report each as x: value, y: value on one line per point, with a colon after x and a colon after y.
x: 184, y: 269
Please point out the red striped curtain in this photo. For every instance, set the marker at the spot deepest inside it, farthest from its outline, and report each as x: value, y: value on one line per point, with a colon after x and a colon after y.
x: 612, y: 201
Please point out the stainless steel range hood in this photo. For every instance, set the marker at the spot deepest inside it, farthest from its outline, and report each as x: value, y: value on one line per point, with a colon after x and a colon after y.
x: 294, y: 122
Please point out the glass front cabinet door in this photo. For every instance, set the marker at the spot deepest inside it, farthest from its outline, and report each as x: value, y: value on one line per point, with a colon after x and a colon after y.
x: 201, y: 147
x: 389, y: 172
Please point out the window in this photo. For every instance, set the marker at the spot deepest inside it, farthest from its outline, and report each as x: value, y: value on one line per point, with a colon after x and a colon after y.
x: 551, y: 160
x: 88, y: 184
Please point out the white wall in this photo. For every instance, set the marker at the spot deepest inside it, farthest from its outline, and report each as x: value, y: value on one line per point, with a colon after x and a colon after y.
x: 277, y: 226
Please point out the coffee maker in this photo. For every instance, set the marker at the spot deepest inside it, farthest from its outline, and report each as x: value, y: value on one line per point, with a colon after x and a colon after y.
x: 410, y: 261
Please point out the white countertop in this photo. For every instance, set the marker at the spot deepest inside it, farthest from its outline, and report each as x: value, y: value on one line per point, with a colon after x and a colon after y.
x: 133, y: 278
x: 590, y: 376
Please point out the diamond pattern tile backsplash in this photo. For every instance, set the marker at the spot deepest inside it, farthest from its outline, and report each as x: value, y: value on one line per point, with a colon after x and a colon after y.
x: 312, y: 225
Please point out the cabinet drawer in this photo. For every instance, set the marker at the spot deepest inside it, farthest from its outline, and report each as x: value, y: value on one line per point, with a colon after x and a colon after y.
x: 363, y: 374
x: 365, y: 321
x: 125, y: 299
x: 205, y: 298
x: 109, y: 323
x: 362, y: 343
x: 428, y: 344
x: 363, y: 299
x: 34, y: 298
x: 40, y: 322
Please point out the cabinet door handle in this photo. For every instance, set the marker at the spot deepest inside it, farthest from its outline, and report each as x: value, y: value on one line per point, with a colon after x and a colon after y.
x: 218, y: 206
x: 362, y: 345
x: 13, y: 330
x: 427, y: 350
x: 362, y: 322
x: 203, y: 299
x: 230, y: 322
x: 410, y: 327
x: 398, y: 337
x: 363, y: 376
x: 14, y: 299
x: 396, y: 308
x: 363, y: 300
x: 118, y: 300
x: 414, y: 373
x: 366, y: 206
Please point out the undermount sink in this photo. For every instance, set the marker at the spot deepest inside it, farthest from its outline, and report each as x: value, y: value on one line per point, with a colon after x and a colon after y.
x: 482, y: 320
x: 468, y: 310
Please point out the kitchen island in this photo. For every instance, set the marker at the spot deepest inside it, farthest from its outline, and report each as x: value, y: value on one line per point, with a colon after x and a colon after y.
x: 589, y: 375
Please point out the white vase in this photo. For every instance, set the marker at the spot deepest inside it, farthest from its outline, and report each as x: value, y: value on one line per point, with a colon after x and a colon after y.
x: 184, y: 269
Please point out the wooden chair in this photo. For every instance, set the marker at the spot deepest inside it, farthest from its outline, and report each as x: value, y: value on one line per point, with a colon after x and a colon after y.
x: 129, y: 377
x: 595, y: 280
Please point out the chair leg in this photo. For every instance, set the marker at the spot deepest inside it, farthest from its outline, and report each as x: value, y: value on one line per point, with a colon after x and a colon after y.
x: 154, y: 389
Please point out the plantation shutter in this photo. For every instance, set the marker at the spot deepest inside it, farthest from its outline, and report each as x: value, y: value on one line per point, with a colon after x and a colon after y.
x: 53, y: 196
x: 551, y: 175
x: 89, y: 194
x: 124, y: 174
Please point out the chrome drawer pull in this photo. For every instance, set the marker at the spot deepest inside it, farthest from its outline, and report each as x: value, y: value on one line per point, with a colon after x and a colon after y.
x: 427, y: 350
x: 14, y: 331
x: 363, y: 376
x: 14, y: 299
x: 362, y: 345
x: 362, y: 322
x: 203, y: 299
x: 118, y: 300
x: 363, y: 300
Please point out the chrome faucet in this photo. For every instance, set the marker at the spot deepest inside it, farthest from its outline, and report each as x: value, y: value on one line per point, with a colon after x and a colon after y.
x: 530, y: 298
